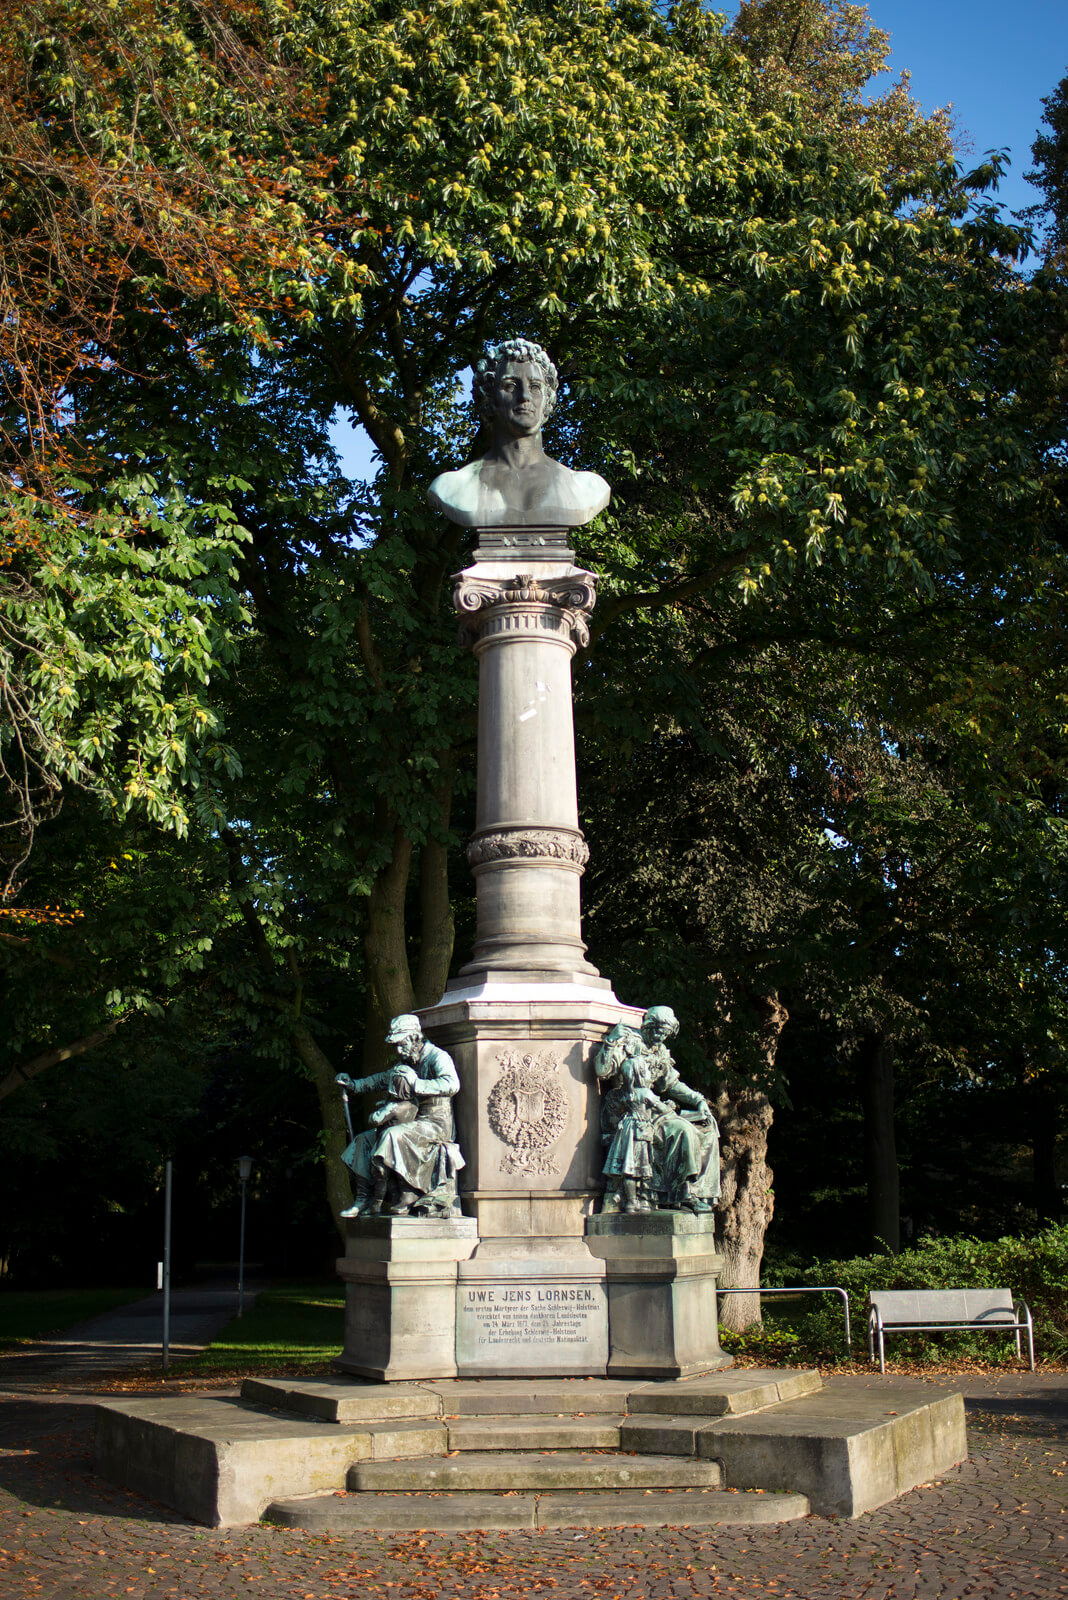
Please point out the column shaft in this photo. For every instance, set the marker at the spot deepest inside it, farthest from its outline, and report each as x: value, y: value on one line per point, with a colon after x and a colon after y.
x: 527, y: 853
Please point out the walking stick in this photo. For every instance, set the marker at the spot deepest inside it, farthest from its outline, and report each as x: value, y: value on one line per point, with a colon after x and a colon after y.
x: 348, y: 1113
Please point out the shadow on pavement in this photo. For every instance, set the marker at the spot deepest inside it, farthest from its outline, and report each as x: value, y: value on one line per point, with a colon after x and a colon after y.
x: 46, y: 1460
x: 1052, y: 1406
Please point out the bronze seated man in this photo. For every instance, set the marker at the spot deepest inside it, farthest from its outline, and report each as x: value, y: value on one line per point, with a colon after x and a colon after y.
x: 406, y: 1162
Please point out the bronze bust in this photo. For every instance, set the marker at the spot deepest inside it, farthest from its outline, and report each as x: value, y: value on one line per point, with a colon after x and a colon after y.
x: 515, y: 484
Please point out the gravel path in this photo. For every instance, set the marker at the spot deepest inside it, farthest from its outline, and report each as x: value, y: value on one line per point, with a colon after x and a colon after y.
x: 995, y: 1527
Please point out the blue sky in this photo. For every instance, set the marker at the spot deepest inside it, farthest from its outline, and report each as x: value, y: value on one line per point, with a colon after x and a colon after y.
x: 993, y: 62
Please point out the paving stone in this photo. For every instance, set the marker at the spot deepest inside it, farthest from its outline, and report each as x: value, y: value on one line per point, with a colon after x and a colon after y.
x: 561, y: 1469
x: 992, y: 1528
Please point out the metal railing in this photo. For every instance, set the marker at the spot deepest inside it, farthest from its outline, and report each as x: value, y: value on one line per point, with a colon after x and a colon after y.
x: 807, y: 1288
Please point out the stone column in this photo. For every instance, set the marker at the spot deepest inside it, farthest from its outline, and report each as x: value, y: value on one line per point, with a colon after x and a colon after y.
x: 527, y: 853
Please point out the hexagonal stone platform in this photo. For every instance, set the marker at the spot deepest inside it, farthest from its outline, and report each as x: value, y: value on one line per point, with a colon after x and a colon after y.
x: 687, y: 1452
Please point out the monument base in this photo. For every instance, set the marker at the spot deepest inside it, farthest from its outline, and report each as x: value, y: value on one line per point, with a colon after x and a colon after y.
x: 400, y: 1275
x: 531, y: 1300
x: 660, y: 1273
x: 457, y: 1455
x: 528, y: 1284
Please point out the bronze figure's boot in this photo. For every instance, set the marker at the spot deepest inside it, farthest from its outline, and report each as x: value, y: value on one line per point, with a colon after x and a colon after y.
x: 406, y: 1199
x: 688, y: 1201
x: 359, y: 1204
x: 378, y: 1195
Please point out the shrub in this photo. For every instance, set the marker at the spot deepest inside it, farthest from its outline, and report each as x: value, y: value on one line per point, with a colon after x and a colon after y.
x: 772, y: 1345
x: 1034, y: 1268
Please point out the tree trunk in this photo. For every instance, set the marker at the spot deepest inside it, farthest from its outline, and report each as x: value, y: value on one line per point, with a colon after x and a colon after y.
x: 389, y: 988
x: 875, y: 1067
x: 437, y: 929
x: 323, y: 1072
x: 746, y: 1203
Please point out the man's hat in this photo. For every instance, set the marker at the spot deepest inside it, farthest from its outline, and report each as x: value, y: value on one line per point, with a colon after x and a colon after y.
x: 402, y: 1026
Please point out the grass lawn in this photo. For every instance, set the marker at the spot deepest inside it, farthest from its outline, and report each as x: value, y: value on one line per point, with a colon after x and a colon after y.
x: 292, y: 1326
x: 28, y: 1314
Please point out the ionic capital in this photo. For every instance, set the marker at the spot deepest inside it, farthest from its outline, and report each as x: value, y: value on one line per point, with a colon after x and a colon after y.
x: 523, y: 603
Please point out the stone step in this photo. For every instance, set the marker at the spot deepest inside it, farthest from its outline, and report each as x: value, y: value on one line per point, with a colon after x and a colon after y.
x: 351, y: 1400
x: 535, y: 1433
x: 662, y: 1435
x: 535, y: 1469
x: 398, y: 1513
x: 597, y: 1508
x: 724, y: 1394
x: 514, y: 1397
x: 667, y: 1508
x: 848, y: 1448
x: 221, y: 1461
x: 343, y: 1401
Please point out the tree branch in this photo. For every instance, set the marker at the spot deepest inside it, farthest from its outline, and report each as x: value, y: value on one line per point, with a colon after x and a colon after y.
x: 671, y: 595
x: 28, y: 1070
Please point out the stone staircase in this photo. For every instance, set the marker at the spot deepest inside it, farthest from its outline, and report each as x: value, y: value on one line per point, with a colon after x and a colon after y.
x: 569, y: 1453
x: 747, y: 1446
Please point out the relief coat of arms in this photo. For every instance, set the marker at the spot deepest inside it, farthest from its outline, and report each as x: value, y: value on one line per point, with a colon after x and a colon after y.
x: 528, y: 1109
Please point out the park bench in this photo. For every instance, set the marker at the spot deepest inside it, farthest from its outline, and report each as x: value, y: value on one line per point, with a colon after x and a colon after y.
x: 928, y: 1310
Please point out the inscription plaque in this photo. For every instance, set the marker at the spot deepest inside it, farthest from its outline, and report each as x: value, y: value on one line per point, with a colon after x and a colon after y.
x: 556, y: 1327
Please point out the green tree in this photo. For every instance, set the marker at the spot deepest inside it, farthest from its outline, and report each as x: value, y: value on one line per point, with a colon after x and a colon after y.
x: 827, y: 53
x: 790, y: 366
x: 1050, y: 172
x: 849, y: 806
x: 120, y: 196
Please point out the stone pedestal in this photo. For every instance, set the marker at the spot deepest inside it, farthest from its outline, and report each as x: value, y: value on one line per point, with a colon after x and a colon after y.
x: 660, y: 1272
x: 527, y: 1012
x: 531, y: 1300
x: 400, y: 1298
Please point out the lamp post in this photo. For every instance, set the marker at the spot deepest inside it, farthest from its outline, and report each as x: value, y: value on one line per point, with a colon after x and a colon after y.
x: 244, y: 1171
x: 165, y: 1268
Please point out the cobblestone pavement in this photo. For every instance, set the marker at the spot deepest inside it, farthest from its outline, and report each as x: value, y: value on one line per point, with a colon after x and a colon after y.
x: 993, y: 1528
